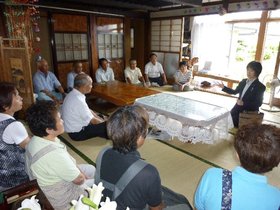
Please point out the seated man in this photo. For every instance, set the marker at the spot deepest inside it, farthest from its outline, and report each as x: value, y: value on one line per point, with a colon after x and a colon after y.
x: 104, y: 73
x: 77, y: 69
x: 133, y: 74
x: 45, y: 83
x: 154, y: 72
x: 129, y: 180
x: 80, y: 121
x: 56, y: 171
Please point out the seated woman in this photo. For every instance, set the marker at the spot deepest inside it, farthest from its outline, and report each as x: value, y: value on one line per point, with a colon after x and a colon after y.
x: 182, y: 78
x: 246, y: 187
x: 13, y: 138
x: 129, y: 180
x: 250, y: 91
x: 56, y: 171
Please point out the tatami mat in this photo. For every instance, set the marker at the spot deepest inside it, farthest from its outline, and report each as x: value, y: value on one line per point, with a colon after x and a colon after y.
x: 180, y: 165
x: 178, y: 171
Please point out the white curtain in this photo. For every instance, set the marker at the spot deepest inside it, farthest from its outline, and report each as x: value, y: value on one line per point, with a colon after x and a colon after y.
x: 211, y: 42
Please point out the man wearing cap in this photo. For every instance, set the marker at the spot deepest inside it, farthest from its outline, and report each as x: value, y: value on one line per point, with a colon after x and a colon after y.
x: 250, y: 91
x: 104, y: 73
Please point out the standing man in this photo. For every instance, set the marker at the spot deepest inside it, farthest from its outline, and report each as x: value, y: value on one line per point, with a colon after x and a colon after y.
x: 250, y: 91
x: 104, y: 73
x: 133, y: 74
x: 154, y: 72
x: 80, y: 121
x: 77, y: 69
x: 45, y: 83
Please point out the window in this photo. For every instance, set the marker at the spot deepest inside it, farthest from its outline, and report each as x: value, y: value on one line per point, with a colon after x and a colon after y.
x: 71, y: 46
x: 166, y: 35
x: 110, y: 38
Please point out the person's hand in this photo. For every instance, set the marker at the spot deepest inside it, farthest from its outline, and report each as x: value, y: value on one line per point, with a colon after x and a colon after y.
x: 165, y: 82
x: 144, y: 84
x: 182, y: 87
x: 240, y: 102
x: 64, y: 95
x: 221, y: 85
x: 148, y: 84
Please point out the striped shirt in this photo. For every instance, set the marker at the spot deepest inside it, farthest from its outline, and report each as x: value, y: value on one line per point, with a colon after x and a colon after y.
x: 183, y: 77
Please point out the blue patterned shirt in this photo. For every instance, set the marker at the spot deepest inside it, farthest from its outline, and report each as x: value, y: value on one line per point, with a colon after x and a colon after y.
x: 249, y: 191
x: 43, y: 82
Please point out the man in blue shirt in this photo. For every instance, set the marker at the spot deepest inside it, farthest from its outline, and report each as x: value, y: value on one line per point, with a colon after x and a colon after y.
x: 45, y: 83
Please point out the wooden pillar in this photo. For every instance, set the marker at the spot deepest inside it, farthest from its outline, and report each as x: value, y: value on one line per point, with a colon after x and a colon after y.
x: 261, y: 36
x: 127, y: 40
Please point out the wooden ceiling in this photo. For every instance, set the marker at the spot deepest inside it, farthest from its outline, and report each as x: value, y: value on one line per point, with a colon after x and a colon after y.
x: 122, y: 5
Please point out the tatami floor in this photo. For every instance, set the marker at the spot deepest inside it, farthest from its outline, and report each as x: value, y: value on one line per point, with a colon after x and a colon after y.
x: 180, y: 165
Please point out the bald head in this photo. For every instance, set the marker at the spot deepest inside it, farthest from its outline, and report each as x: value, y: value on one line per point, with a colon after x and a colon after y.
x: 43, y: 66
x: 83, y: 83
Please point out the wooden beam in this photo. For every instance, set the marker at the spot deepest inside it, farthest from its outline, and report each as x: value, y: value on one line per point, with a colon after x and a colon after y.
x: 261, y: 36
x: 193, y: 3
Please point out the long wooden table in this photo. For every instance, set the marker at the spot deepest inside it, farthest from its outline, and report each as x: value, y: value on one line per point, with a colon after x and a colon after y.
x: 120, y: 93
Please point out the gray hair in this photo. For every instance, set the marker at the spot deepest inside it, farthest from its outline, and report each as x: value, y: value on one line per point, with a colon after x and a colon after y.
x: 81, y: 80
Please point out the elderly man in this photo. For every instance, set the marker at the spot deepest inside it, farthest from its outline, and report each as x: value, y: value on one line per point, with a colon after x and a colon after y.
x: 154, y: 72
x: 133, y: 74
x: 104, y: 73
x: 80, y: 121
x: 77, y: 69
x: 45, y: 83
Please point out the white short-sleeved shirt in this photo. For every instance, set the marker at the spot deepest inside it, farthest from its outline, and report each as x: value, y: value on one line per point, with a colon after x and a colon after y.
x: 104, y: 76
x: 75, y: 112
x: 153, y: 71
x: 15, y: 133
x: 133, y: 75
x: 55, y: 166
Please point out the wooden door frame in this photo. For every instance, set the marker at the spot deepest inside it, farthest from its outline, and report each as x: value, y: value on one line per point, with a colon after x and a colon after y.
x: 276, y: 101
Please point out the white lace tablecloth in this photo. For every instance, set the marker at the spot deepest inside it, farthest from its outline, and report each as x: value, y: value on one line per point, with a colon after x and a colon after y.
x: 187, y: 119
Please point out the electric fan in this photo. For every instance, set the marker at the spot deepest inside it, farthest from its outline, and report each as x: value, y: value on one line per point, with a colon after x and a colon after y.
x: 271, y: 82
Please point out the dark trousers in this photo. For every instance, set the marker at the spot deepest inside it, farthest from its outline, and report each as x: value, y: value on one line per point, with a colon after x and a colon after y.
x: 235, y: 114
x: 157, y: 80
x: 90, y: 131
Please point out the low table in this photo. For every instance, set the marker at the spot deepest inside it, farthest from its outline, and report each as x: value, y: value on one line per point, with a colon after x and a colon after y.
x: 120, y: 93
x: 14, y: 196
x: 187, y: 119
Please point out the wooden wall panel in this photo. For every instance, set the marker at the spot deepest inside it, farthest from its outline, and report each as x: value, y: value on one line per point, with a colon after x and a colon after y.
x: 118, y: 67
x: 65, y: 68
x: 3, y: 31
x: 94, y: 52
x: 127, y: 38
x: 138, y: 52
x: 69, y: 23
x: 103, y: 21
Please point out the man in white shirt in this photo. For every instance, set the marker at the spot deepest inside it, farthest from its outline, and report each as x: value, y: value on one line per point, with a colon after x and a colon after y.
x: 154, y: 72
x: 133, y: 74
x: 77, y: 69
x: 80, y: 121
x: 104, y: 73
